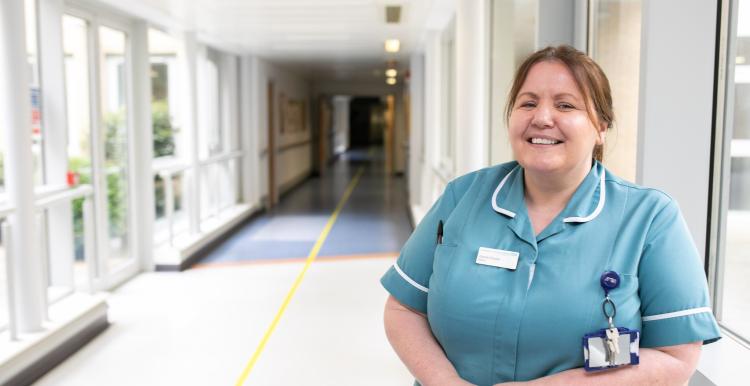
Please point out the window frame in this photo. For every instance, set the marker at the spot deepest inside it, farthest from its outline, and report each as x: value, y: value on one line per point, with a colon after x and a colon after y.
x: 719, y: 180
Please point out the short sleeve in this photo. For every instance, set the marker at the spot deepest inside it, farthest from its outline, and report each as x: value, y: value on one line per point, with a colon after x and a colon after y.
x: 675, y: 305
x: 407, y: 280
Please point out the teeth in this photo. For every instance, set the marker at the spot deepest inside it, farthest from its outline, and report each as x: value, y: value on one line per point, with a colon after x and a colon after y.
x: 544, y: 141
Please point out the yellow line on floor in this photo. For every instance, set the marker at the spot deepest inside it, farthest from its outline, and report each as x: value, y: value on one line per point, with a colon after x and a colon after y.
x: 310, y: 258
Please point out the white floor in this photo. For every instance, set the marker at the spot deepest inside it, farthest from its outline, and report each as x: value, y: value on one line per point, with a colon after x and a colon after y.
x: 202, y: 326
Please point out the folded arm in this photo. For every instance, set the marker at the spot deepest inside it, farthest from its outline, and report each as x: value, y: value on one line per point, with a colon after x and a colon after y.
x: 663, y: 366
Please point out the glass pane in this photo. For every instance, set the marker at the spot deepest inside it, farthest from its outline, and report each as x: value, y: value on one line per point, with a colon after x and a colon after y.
x: 113, y: 94
x: 207, y: 191
x: 75, y: 47
x: 34, y: 86
x: 163, y: 50
x: 615, y: 43
x: 210, y: 124
x: 3, y: 285
x: 736, y: 296
x: 179, y: 217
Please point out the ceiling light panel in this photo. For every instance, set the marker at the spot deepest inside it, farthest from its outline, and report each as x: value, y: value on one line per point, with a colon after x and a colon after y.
x: 392, y: 45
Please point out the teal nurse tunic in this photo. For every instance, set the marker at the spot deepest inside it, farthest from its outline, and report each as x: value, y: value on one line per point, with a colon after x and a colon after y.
x: 497, y: 325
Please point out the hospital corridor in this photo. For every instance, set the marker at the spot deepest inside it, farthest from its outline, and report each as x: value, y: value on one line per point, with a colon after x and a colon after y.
x: 230, y: 192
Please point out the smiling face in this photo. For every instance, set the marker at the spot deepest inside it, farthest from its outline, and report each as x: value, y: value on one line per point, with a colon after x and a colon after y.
x: 550, y: 128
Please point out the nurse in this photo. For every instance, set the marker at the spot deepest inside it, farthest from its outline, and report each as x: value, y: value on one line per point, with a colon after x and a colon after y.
x: 503, y: 278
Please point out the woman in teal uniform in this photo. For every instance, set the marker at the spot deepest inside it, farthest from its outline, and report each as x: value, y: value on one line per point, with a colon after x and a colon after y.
x: 503, y: 278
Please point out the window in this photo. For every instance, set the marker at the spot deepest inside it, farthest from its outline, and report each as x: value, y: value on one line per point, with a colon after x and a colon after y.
x: 615, y: 43
x: 75, y: 49
x: 114, y: 106
x: 34, y: 85
x: 97, y: 100
x: 165, y: 92
x: 210, y: 119
x: 164, y: 58
x: 732, y: 289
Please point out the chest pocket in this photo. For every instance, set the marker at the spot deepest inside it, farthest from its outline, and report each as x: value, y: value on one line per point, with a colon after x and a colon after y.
x: 441, y: 265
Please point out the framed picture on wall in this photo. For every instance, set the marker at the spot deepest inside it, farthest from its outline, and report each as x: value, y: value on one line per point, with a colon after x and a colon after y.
x: 295, y: 116
x: 282, y: 113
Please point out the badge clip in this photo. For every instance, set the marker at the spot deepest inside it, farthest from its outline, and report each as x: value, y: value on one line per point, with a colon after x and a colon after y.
x: 610, y: 347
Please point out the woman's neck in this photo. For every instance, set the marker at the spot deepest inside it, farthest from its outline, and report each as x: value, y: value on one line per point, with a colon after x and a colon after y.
x: 546, y: 194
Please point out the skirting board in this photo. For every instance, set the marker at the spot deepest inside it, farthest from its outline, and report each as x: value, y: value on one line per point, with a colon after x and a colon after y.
x: 28, y: 366
x: 193, y: 253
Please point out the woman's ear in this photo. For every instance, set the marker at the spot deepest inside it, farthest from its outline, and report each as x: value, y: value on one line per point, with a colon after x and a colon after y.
x: 601, y: 133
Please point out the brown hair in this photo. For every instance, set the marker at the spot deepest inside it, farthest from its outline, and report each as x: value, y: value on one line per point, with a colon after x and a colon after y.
x: 589, y: 77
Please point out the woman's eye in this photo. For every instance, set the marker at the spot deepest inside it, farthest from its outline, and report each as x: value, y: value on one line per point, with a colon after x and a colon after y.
x: 527, y: 105
x: 565, y: 106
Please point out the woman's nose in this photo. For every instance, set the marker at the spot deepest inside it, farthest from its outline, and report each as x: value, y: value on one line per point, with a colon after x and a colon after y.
x: 542, y: 117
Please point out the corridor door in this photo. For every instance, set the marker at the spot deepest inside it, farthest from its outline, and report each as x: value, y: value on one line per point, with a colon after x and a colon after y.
x: 99, y: 148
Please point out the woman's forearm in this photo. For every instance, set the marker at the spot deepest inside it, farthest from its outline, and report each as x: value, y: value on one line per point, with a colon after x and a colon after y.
x: 409, y: 333
x: 666, y: 366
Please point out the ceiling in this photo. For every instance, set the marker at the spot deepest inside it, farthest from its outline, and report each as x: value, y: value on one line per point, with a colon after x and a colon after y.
x: 319, y: 39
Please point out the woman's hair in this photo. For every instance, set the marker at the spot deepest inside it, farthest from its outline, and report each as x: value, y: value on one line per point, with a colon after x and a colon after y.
x: 588, y: 76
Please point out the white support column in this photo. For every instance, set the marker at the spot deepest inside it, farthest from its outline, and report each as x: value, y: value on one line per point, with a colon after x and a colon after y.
x: 190, y: 123
x: 54, y: 127
x: 143, y: 141
x: 249, y: 110
x: 472, y: 85
x: 676, y: 101
x: 15, y: 110
x: 416, y: 135
x: 230, y: 120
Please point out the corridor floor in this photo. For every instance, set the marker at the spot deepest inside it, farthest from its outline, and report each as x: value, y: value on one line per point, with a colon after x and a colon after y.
x: 203, y: 326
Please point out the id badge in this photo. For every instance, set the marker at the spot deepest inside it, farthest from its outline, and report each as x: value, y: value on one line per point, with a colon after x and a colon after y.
x: 595, y: 350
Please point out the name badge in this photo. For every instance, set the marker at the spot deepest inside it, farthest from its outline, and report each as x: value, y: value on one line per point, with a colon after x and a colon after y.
x: 497, y: 258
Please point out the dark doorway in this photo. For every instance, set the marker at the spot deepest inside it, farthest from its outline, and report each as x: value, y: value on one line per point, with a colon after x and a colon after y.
x: 366, y: 122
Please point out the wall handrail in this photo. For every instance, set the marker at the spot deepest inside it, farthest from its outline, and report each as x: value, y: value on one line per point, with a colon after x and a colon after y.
x: 221, y: 158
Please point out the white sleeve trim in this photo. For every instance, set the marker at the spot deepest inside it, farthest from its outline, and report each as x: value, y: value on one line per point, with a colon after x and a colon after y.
x: 410, y: 280
x: 676, y: 314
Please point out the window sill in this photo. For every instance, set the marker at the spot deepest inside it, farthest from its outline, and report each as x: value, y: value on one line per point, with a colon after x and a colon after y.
x: 724, y: 362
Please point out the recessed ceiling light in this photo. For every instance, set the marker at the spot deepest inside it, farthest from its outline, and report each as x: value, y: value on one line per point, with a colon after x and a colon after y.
x: 391, y: 81
x: 392, y: 45
x: 391, y: 72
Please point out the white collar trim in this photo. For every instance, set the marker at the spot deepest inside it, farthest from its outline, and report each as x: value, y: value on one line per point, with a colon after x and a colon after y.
x: 599, y: 206
x: 497, y: 190
x: 593, y: 215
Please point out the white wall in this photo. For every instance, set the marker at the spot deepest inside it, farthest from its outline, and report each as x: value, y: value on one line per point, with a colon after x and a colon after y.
x: 294, y: 163
x: 675, y: 104
x: 416, y: 133
x: 340, y: 118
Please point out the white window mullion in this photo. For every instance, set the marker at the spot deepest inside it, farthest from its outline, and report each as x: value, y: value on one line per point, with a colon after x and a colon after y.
x: 28, y: 292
